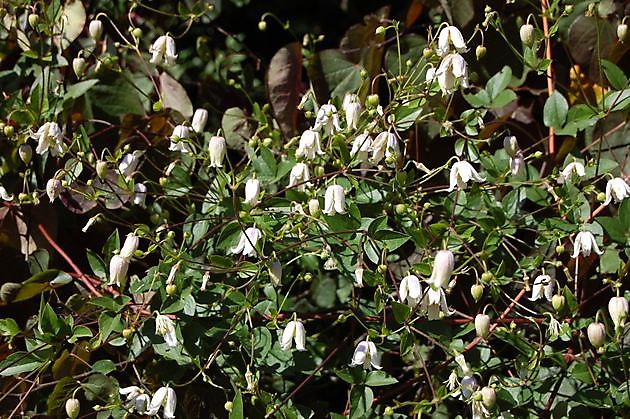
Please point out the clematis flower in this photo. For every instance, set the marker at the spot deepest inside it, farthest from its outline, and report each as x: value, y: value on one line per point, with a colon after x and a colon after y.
x: 410, y: 290
x: 452, y: 72
x: 433, y: 302
x: 130, y: 246
x: 618, y: 310
x: 517, y: 164
x: 164, y: 397
x: 366, y: 355
x: 95, y: 29
x: 200, y: 118
x: 252, y: 191
x: 313, y: 207
x: 572, y: 171
x: 129, y: 163
x: 293, y: 332
x: 165, y: 327
x: 385, y: 145
x: 461, y: 173
x: 53, y: 188
x: 163, y: 48
x: 361, y: 147
x: 334, y: 200
x: 510, y: 145
x: 443, y: 266
x: 450, y: 36
x: 247, y: 243
x: 216, y: 150
x: 352, y: 109
x: 585, y: 242
x: 178, y: 143
x: 118, y: 266
x: 328, y: 119
x: 299, y: 176
x: 5, y: 195
x: 309, y: 145
x: 49, y: 137
x: 139, y: 194
x: 616, y: 189
x: 596, y: 333
x: 136, y: 399
x: 543, y: 286
x: 482, y: 325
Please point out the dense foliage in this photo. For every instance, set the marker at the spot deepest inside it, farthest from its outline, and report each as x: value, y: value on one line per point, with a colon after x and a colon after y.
x: 235, y: 209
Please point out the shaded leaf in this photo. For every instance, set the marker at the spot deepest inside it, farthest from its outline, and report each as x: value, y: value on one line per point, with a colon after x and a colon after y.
x: 284, y: 78
x: 174, y: 96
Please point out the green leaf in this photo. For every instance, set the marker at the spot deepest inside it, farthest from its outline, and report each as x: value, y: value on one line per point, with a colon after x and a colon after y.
x: 555, y: 110
x: 392, y: 239
x: 615, y: 75
x: 401, y: 311
x: 48, y: 320
x: 379, y: 378
x: 580, y: 372
x: 237, y: 128
x: 361, y: 399
x: 19, y: 363
x: 108, y: 323
x: 61, y: 392
x: 96, y: 263
x: 323, y: 292
x: 237, y: 407
x: 70, y: 24
x: 503, y: 98
x: 407, y: 115
x: 499, y: 82
x: 117, y: 99
x: 617, y: 100
x: 77, y: 90
x: 340, y: 74
x: 104, y: 366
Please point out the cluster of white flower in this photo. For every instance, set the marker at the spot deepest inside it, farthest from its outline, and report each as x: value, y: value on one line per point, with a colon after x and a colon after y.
x: 452, y: 70
x: 138, y: 401
x: 119, y: 263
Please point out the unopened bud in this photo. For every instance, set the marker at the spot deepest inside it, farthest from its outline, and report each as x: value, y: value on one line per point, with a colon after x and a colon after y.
x: 137, y: 33
x: 427, y: 53
x: 26, y: 153
x: 95, y: 29
x: 559, y: 249
x: 488, y: 397
x: 9, y: 130
x: 373, y: 100
x: 477, y: 292
x: 313, y: 208
x: 510, y: 145
x: 557, y: 301
x: 262, y: 26
x: 101, y: 169
x: 33, y: 20
x: 228, y: 406
x: 487, y: 277
x: 480, y: 51
x: 380, y: 30
x: 78, y: 65
x: 596, y: 334
x: 171, y: 289
x: 482, y: 325
x: 73, y: 406
x: 622, y: 32
x: 528, y: 34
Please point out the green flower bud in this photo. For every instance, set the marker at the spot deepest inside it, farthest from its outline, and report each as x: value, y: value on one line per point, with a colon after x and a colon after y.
x: 400, y: 209
x: 33, y: 20
x: 137, y: 33
x: 26, y: 153
x: 559, y: 249
x: 158, y: 106
x: 127, y: 332
x: 480, y: 51
x: 228, y: 406
x: 388, y: 411
x: 9, y: 130
x: 267, y: 142
x: 373, y: 100
x: 487, y: 277
x: 488, y: 397
x: 477, y: 292
x: 262, y: 26
x: 171, y: 289
x: 427, y: 53
x: 622, y: 32
x: 73, y: 406
x: 557, y: 301
x: 380, y: 30
x: 528, y: 34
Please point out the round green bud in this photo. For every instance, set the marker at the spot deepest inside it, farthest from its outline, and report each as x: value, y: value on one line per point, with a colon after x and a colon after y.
x: 127, y: 332
x: 381, y: 269
x: 601, y: 197
x: 163, y: 181
x: 228, y: 406
x: 267, y: 142
x: 308, y: 277
x: 309, y: 114
x: 22, y: 196
x: 171, y: 289
x: 380, y: 30
x: 364, y: 74
x: 170, y: 235
x: 137, y: 33
x: 253, y: 142
x: 33, y: 20
x: 9, y: 130
x: 155, y: 218
x: 568, y: 9
x: 480, y: 51
x: 26, y: 153
x: 622, y: 32
x: 487, y: 277
x: 373, y: 100
x: 401, y: 209
x: 158, y: 106
x: 388, y: 411
x: 559, y: 249
x: 262, y: 26
x: 488, y: 397
x: 101, y: 169
x: 557, y: 301
x: 476, y: 291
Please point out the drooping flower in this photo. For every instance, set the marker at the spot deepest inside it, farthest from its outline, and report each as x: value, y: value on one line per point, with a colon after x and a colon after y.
x: 5, y: 195
x: 596, y: 333
x: 517, y: 164
x: 543, y: 286
x: 163, y: 48
x: 299, y: 177
x: 293, y: 332
x: 73, y: 407
x: 310, y: 145
x: 352, y: 109
x: 449, y: 37
x: 95, y: 29
x: 130, y: 246
x: 443, y: 266
x: 118, y: 266
x: 247, y: 242
x: 616, y: 189
x: 165, y: 327
x: 53, y: 188
x: 328, y: 119
x: 482, y: 325
x: 361, y: 147
x: 313, y: 207
x: 385, y: 145
x: 572, y: 171
x: 585, y: 242
x: 510, y: 145
x: 410, y: 290
x: 139, y: 194
x: 452, y: 72
x: 136, y: 399
x: 216, y: 150
x: 129, y: 163
x: 200, y: 118
x: 164, y: 397
x: 49, y: 137
x: 178, y: 139
x: 434, y: 302
x: 618, y: 310
x: 461, y: 173
x: 335, y: 200
x: 366, y: 355
x: 252, y: 191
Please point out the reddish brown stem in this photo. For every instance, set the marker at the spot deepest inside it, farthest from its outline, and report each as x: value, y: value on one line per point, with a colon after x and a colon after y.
x: 544, y: 6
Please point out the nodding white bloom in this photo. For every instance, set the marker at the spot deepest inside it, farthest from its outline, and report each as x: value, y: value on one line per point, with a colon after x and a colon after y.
x: 310, y: 145
x: 361, y: 147
x: 163, y: 48
x: 468, y: 386
x: 585, y: 242
x: 25, y: 152
x: 461, y: 361
x: 482, y: 325
x: 358, y: 273
x: 510, y: 145
x: 385, y: 145
x: 5, y: 195
x: 95, y: 29
x: 293, y: 332
x: 352, y: 108
x: 443, y: 266
x: 171, y: 274
x: 335, y: 200
x: 216, y: 150
x: 543, y: 286
x: 366, y: 355
x: 136, y: 399
x: 89, y: 223
x: 616, y: 189
x: 299, y: 176
x: 200, y: 118
x: 118, y: 266
x: 479, y: 410
x: 129, y: 163
x: 139, y: 194
x: 252, y: 191
x: 410, y: 290
x: 450, y: 36
x: 571, y: 171
x: 275, y: 273
x: 130, y: 246
x: 596, y: 333
x: 434, y: 302
x: 517, y: 164
x: 327, y: 118
x: 73, y: 407
x: 618, y: 310
x: 164, y: 397
x: 430, y: 75
x: 313, y: 207
x: 204, y: 280
x: 461, y: 173
x: 165, y: 327
x: 247, y: 243
x: 53, y: 188
x: 452, y: 72
x: 78, y: 65
x: 49, y: 137
x: 178, y: 143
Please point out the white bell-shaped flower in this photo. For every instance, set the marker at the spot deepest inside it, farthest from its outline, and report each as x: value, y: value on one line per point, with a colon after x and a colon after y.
x: 165, y: 327
x: 118, y: 266
x: 365, y: 354
x: 450, y: 38
x: 335, y: 200
x: 510, y: 145
x: 517, y: 164
x: 596, y: 333
x: 461, y: 173
x: 216, y: 150
x: 361, y: 147
x: 573, y: 171
x: 247, y: 242
x: 299, y: 177
x: 200, y: 118
x: 352, y: 109
x: 129, y: 163
x: 443, y: 266
x: 410, y: 290
x: 385, y: 145
x: 543, y: 286
x: 358, y: 276
x: 163, y: 48
x: 53, y: 188
x: 618, y: 310
x: 434, y: 302
x: 49, y: 137
x: 95, y: 29
x: 293, y: 332
x: 584, y: 243
x: 136, y: 399
x: 452, y: 72
x: 616, y: 189
x: 139, y: 194
x: 130, y: 246
x: 164, y: 397
x: 252, y: 191
x: 310, y: 145
x: 328, y: 119
x: 482, y: 325
x: 6, y: 196
x: 178, y: 139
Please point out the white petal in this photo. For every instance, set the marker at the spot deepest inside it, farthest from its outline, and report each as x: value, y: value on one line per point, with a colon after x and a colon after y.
x: 287, y: 336
x: 300, y: 336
